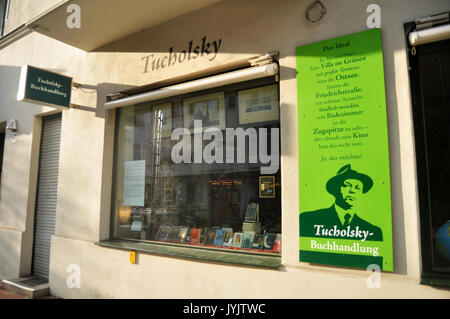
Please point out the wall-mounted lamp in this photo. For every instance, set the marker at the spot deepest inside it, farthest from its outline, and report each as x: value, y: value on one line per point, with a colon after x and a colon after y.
x: 12, y: 126
x: 315, y: 11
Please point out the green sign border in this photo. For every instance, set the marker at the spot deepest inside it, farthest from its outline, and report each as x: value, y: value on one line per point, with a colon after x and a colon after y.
x: 342, y: 132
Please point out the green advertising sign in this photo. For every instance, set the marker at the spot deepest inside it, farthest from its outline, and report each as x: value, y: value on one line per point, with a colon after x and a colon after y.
x: 44, y: 87
x: 344, y: 199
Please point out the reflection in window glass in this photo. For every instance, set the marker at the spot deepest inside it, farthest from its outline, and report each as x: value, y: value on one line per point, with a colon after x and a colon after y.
x: 188, y: 172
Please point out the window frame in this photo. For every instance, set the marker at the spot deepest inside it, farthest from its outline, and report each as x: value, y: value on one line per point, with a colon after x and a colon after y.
x: 430, y: 274
x: 2, y: 147
x: 3, y: 17
x: 250, y: 258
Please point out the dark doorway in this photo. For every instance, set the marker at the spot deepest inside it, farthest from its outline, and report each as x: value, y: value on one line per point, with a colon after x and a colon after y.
x: 430, y: 89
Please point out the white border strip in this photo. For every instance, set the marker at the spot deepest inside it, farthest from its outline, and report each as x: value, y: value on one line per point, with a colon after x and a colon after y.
x: 429, y: 35
x: 197, y: 85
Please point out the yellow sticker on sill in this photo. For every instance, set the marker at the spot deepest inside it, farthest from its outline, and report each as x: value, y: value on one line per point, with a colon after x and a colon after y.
x: 132, y: 257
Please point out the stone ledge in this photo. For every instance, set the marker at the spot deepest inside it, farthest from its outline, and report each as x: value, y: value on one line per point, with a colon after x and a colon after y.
x: 19, y: 287
x: 194, y: 252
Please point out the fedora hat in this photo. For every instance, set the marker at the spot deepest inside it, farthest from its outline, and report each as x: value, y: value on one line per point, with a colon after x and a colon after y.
x: 346, y: 172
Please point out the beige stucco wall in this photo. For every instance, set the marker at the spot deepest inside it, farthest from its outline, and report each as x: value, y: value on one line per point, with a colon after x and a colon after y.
x: 18, y: 184
x: 21, y: 12
x: 107, y: 273
x: 250, y: 28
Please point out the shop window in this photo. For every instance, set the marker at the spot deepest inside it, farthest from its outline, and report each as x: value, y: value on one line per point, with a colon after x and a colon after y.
x: 201, y: 170
x: 430, y: 88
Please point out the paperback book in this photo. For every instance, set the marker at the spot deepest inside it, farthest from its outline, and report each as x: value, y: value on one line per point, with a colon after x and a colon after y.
x: 269, y: 240
x: 195, y: 236
x: 237, y: 240
x: 247, y: 239
x: 210, y: 236
x: 228, y: 237
x: 258, y: 242
x: 220, y: 236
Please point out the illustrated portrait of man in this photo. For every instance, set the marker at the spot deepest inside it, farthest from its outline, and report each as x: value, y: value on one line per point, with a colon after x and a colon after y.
x: 347, y: 187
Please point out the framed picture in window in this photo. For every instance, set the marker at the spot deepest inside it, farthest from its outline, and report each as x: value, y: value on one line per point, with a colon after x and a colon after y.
x: 163, y: 120
x: 258, y: 105
x: 267, y: 187
x: 209, y: 109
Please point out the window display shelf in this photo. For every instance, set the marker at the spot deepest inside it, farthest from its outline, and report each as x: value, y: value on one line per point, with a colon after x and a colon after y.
x: 194, y: 252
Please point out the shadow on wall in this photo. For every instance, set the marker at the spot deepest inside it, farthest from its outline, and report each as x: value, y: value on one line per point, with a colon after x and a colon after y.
x: 208, y: 29
x: 102, y: 90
